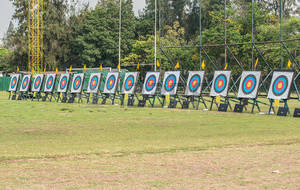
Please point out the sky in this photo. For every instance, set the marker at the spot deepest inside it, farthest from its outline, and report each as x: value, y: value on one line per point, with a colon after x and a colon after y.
x: 6, y: 11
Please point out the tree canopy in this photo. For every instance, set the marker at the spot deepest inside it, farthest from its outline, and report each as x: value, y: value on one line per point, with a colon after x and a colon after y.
x: 80, y: 35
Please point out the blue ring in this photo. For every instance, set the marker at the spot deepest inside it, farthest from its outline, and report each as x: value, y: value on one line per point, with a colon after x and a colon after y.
x: 14, y: 79
x: 37, y: 79
x: 91, y: 84
x: 112, y: 77
x: 170, y: 77
x: 195, y: 77
x: 78, y: 78
x: 151, y: 77
x: 23, y: 85
x: 253, y: 79
x: 128, y: 88
x: 217, y: 89
x: 63, y: 79
x: 50, y: 79
x: 277, y: 80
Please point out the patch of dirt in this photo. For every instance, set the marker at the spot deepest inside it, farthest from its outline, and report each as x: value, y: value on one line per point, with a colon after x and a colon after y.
x: 235, y: 168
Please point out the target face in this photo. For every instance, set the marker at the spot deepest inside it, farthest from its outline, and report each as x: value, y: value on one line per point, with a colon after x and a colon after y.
x: 111, y: 83
x: 129, y: 84
x: 63, y: 83
x: 50, y: 82
x: 170, y: 83
x: 77, y: 83
x: 281, y: 85
x: 37, y: 84
x: 151, y: 83
x: 220, y: 83
x: 194, y: 83
x: 94, y: 83
x: 249, y: 84
x: 14, y: 83
x: 25, y: 83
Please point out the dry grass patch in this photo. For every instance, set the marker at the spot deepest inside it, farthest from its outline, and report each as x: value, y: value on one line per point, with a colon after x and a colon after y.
x: 270, y: 167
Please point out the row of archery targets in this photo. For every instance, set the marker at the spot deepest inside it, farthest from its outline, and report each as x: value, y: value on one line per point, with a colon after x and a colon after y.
x: 131, y: 91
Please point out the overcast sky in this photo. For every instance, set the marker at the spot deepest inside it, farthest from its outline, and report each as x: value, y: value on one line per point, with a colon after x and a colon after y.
x: 6, y: 10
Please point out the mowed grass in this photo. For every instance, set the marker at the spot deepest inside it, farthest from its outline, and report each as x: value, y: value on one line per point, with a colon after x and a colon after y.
x: 37, y: 129
x: 46, y: 145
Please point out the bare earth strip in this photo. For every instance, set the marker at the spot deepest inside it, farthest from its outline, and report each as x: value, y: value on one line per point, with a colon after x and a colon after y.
x: 273, y: 167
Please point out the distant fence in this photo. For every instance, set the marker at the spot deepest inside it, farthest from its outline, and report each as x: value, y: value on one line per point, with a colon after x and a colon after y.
x: 4, y: 83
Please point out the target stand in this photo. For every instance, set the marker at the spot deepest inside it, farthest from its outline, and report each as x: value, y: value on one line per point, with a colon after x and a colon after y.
x: 248, y: 91
x: 93, y: 88
x: 110, y: 88
x: 169, y: 89
x: 62, y: 94
x: 193, y: 91
x: 24, y: 88
x: 76, y: 88
x: 280, y: 89
x: 49, y: 87
x: 13, y: 86
x: 149, y: 89
x: 36, y: 87
x: 128, y: 88
x: 219, y: 89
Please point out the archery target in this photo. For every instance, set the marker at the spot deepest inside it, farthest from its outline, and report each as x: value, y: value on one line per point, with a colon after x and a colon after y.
x: 13, y: 85
x: 37, y: 83
x: 249, y: 84
x: 151, y: 83
x: 63, y: 83
x: 25, y: 83
x: 50, y: 83
x: 170, y: 83
x: 129, y: 83
x: 111, y: 83
x: 94, y: 83
x: 281, y: 85
x: 220, y: 83
x: 194, y: 83
x: 77, y: 83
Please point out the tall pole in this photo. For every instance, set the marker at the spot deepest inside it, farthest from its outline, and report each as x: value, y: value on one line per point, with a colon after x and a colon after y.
x: 155, y: 41
x: 200, y: 29
x: 225, y: 32
x: 120, y: 30
x: 252, y: 34
x: 281, y: 37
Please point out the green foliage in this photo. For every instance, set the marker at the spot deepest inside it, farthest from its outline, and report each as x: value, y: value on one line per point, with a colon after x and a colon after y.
x: 78, y: 35
x: 4, y: 57
x: 97, y: 41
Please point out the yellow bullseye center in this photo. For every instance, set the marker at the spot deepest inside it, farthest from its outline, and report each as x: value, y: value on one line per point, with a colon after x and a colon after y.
x: 194, y: 83
x: 248, y: 84
x: 280, y: 85
x: 220, y: 83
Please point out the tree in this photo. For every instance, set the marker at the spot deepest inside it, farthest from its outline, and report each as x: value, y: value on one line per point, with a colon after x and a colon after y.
x: 55, y: 38
x: 97, y: 40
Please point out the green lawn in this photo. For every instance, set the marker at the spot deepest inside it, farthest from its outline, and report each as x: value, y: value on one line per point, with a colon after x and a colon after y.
x: 37, y: 129
x: 46, y: 145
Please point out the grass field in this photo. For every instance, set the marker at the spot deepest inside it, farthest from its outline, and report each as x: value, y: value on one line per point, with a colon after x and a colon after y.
x: 79, y: 146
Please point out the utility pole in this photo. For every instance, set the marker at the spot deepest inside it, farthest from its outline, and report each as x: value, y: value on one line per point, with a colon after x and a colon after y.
x: 225, y: 32
x: 120, y: 31
x: 155, y: 30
